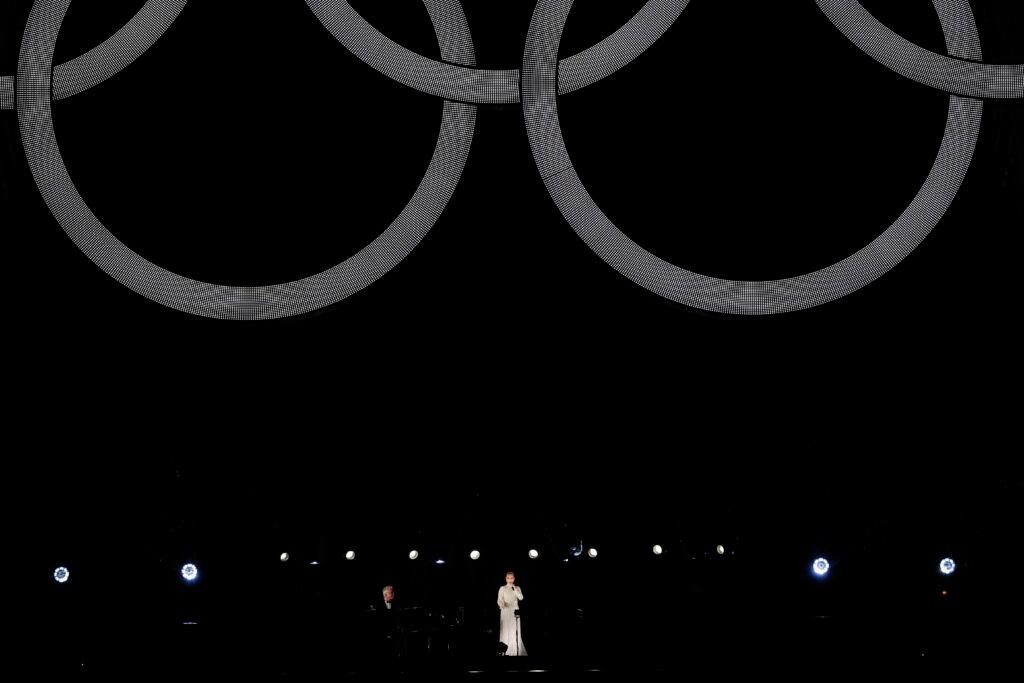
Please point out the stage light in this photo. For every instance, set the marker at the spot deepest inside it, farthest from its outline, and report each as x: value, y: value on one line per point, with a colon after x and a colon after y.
x: 657, y: 550
x: 592, y: 552
x: 350, y: 555
x: 413, y: 554
x: 720, y: 549
x: 474, y: 555
x: 947, y: 566
x: 189, y: 572
x: 820, y: 567
x: 285, y: 557
x: 62, y: 574
x: 534, y: 554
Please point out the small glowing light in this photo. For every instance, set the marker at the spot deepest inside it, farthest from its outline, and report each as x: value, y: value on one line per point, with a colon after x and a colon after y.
x: 61, y: 575
x: 534, y: 554
x: 413, y: 554
x: 314, y: 563
x: 439, y: 561
x: 820, y: 566
x: 189, y: 572
x: 350, y: 555
x: 720, y: 549
x: 592, y: 552
x: 947, y: 566
x: 285, y: 557
x: 945, y: 593
x: 657, y: 550
x: 474, y: 555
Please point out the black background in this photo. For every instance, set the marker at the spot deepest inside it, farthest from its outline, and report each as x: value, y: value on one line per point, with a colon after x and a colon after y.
x: 502, y: 369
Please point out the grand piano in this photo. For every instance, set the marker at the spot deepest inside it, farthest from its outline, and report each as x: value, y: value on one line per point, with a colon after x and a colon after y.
x: 415, y: 631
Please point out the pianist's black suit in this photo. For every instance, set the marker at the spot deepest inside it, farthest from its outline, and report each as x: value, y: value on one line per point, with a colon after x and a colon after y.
x: 388, y: 628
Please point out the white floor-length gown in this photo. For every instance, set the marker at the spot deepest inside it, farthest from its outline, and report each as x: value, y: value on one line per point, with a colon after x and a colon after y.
x: 511, y: 632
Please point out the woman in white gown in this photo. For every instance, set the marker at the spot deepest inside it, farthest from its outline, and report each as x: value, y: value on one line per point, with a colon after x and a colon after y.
x: 511, y: 632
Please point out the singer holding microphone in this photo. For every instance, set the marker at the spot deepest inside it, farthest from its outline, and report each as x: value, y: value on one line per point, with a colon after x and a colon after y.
x: 511, y: 633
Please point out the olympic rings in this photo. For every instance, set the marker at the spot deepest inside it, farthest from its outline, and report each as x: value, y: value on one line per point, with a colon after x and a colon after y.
x: 537, y: 86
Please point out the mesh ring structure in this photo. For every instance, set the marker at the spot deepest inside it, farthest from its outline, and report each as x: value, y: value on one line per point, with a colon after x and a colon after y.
x: 486, y: 86
x: 957, y: 74
x: 37, y: 84
x: 453, y: 80
x: 111, y: 56
x: 744, y: 297
x: 222, y: 301
x: 537, y: 85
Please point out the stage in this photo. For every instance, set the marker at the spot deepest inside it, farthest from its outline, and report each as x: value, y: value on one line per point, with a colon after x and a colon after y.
x: 731, y: 649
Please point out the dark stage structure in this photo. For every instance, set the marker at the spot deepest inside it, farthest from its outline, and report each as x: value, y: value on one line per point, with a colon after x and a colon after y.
x: 273, y: 573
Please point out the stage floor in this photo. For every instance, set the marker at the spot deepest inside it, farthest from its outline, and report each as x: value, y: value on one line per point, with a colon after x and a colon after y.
x: 808, y: 647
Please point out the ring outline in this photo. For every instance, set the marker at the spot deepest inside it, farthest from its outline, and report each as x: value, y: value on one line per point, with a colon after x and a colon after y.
x: 719, y: 295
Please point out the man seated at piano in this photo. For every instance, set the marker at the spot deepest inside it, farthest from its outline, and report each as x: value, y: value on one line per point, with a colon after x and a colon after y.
x: 388, y: 623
